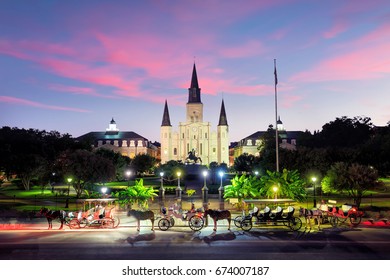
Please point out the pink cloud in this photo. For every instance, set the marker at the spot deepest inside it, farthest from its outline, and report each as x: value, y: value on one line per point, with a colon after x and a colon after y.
x: 289, y: 100
x: 29, y: 103
x: 77, y: 90
x: 338, y: 28
x: 364, y: 58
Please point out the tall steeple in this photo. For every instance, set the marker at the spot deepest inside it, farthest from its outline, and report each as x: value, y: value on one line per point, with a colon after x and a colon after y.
x: 166, y: 121
x: 194, y: 90
x: 222, y: 115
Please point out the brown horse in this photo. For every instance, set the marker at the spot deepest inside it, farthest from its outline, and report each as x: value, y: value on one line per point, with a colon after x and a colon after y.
x: 217, y: 215
x: 53, y: 215
x: 142, y: 215
x: 311, y: 214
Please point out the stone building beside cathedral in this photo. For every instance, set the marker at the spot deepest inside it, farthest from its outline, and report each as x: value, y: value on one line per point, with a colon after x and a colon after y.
x: 195, y: 136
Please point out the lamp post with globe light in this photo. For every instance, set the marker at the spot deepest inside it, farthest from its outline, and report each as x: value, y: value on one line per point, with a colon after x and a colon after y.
x: 104, y: 190
x: 275, y: 189
x: 314, y: 179
x: 178, y: 189
x: 162, y: 190
x: 220, y: 187
x: 67, y: 199
x: 204, y: 189
x: 128, y: 174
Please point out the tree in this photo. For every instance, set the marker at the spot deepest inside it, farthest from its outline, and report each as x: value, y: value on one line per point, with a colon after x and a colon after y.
x: 245, y: 163
x: 170, y: 170
x: 136, y: 194
x: 242, y: 187
x: 355, y: 179
x: 287, y: 184
x: 143, y: 163
x: 85, y: 168
x: 120, y: 162
x: 345, y: 132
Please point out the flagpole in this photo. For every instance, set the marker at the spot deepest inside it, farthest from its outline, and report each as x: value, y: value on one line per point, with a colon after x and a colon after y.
x: 276, y: 119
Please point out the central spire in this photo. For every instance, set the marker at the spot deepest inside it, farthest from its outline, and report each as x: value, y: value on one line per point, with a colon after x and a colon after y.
x: 194, y: 79
x: 194, y: 90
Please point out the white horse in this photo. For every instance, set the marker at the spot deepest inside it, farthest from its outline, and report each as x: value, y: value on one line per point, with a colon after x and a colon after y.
x: 311, y: 214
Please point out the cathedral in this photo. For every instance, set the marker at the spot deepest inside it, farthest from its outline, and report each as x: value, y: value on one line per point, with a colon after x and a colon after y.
x: 195, y: 141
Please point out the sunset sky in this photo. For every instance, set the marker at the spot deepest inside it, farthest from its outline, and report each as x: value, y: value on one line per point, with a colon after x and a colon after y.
x: 72, y: 65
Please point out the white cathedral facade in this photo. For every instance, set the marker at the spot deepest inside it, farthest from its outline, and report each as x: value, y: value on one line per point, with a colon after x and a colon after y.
x: 195, y: 136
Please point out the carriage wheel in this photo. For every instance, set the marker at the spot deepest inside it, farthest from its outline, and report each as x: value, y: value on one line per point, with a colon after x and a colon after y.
x: 107, y: 223
x: 238, y: 220
x: 355, y: 220
x: 74, y: 224
x: 295, y: 223
x: 246, y: 224
x: 163, y: 224
x: 196, y: 223
x: 83, y: 223
x: 116, y: 221
x: 171, y: 222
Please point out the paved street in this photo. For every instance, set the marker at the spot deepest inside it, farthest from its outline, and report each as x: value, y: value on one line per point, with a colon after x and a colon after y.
x: 273, y: 243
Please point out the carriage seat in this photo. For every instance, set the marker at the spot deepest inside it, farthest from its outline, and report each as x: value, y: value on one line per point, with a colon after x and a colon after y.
x: 290, y: 212
x: 345, y: 208
x: 107, y: 212
x: 264, y: 214
x: 277, y: 213
x: 254, y: 212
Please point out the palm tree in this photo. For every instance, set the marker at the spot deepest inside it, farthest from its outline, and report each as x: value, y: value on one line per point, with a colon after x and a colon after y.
x: 242, y: 187
x: 288, y: 185
x: 136, y: 194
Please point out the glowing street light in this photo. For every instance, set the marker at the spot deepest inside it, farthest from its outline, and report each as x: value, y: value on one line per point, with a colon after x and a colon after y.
x: 162, y: 175
x: 104, y: 190
x: 314, y: 179
x: 128, y: 174
x: 221, y: 175
x: 204, y: 189
x: 205, y: 175
x: 69, y: 181
x: 178, y: 189
x: 275, y: 189
x: 220, y: 187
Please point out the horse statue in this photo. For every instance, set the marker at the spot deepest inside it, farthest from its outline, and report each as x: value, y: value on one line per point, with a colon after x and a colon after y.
x: 193, y: 158
x: 217, y: 215
x: 53, y: 215
x: 311, y: 214
x: 142, y: 215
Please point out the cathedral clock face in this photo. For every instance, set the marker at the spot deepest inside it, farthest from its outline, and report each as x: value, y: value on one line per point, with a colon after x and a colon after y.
x: 194, y: 129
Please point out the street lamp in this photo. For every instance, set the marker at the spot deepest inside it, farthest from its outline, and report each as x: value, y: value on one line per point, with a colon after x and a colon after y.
x: 162, y: 184
x: 275, y: 189
x: 205, y: 175
x: 69, y: 181
x: 204, y: 189
x: 314, y: 179
x: 221, y: 175
x: 128, y: 174
x: 162, y: 175
x: 104, y: 190
x: 256, y: 173
x: 178, y: 189
x: 220, y: 187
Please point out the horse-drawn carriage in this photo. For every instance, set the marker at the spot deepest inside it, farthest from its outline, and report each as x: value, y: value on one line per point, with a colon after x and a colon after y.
x: 96, y: 213
x: 339, y: 215
x: 193, y: 216
x: 275, y: 217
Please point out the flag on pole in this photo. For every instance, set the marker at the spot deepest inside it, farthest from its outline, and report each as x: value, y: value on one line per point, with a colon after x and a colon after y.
x: 276, y: 74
